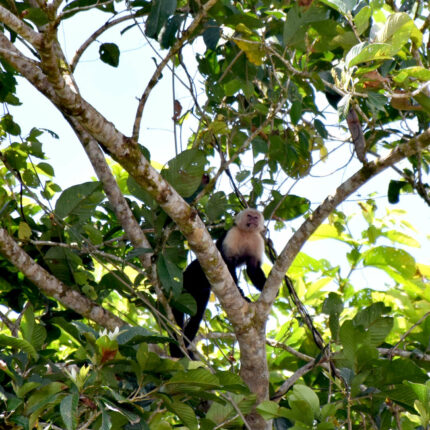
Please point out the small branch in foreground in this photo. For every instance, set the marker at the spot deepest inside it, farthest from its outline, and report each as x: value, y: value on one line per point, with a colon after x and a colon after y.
x: 53, y: 287
x: 423, y: 318
x: 295, y: 377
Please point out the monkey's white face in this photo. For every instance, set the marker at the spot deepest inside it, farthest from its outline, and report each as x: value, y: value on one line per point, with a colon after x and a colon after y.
x: 250, y: 220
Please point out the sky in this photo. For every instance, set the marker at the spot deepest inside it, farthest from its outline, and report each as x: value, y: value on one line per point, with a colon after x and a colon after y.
x: 114, y: 92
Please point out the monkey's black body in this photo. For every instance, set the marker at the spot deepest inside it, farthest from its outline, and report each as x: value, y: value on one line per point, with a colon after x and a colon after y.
x: 196, y: 284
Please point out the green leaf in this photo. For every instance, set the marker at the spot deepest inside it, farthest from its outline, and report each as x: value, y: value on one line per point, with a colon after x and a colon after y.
x: 333, y: 306
x: 232, y: 87
x: 10, y: 126
x: 160, y: 11
x: 69, y: 411
x: 343, y: 106
x: 417, y: 72
x: 46, y: 168
x: 168, y: 34
x: 24, y: 231
x: 268, y: 410
x: 363, y: 53
x: 306, y: 394
x: 31, y: 331
x: 422, y: 391
x: 350, y: 338
x: 106, y: 419
x: 296, y: 112
x: 185, y: 303
x: 184, y: 412
x: 342, y: 6
x: 286, y: 207
x: 424, y: 101
x: 388, y: 257
x: 361, y: 20
x: 37, y: 15
x: 397, y: 31
x: 212, y: 35
x: 320, y: 128
x: 23, y: 390
x: 185, y: 171
x: 170, y: 275
x: 366, y: 317
x: 115, y: 280
x: 80, y: 200
x: 394, y: 190
x: 109, y: 54
x: 254, y: 50
x: 232, y: 382
x: 62, y: 262
x: 30, y: 178
x: 19, y: 344
x: 217, y: 206
x: 399, y: 237
x: 379, y: 330
x: 199, y: 377
x: 137, y: 191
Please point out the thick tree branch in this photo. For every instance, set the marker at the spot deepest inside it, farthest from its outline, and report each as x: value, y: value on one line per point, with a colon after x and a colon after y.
x: 122, y: 210
x: 28, y: 68
x: 128, y: 154
x: 20, y: 27
x: 309, y: 226
x: 53, y: 287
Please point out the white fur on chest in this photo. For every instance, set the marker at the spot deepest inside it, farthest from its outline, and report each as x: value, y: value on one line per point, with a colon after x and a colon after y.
x: 239, y: 243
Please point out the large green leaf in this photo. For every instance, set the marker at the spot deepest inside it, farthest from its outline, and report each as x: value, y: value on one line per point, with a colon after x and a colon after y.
x: 170, y: 275
x: 137, y: 191
x: 342, y: 6
x: 198, y: 377
x: 184, y: 412
x: 19, y: 344
x: 385, y: 257
x: 185, y: 171
x: 63, y: 263
x: 286, y: 207
x: 364, y: 52
x: 397, y: 31
x: 160, y: 11
x: 31, y: 331
x: 80, y: 200
x: 306, y: 394
x: 69, y: 411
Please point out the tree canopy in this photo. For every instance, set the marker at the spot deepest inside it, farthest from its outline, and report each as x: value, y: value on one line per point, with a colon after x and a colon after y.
x: 270, y: 90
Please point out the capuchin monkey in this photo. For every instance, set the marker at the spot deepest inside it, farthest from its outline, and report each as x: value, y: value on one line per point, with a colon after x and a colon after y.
x: 242, y: 244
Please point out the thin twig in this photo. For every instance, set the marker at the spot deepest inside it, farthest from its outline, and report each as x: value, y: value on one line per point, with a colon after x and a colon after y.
x: 156, y: 75
x: 106, y: 26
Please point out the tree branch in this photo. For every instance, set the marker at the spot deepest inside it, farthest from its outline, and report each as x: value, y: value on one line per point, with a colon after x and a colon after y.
x: 51, y: 286
x: 106, y: 26
x: 122, y: 210
x: 173, y: 51
x: 309, y: 226
x: 20, y: 27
